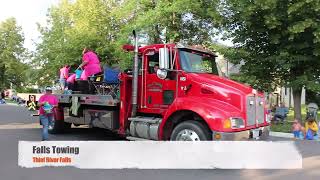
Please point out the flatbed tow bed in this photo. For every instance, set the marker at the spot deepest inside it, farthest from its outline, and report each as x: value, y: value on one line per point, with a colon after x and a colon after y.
x: 87, y: 99
x: 86, y: 109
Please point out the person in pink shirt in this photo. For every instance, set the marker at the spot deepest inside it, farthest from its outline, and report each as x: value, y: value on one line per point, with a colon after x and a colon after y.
x: 47, y: 103
x: 90, y: 64
x: 71, y: 79
x: 64, y: 74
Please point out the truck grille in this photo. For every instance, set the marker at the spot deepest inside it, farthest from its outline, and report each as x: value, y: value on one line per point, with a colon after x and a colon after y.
x: 255, y: 110
x: 260, y: 110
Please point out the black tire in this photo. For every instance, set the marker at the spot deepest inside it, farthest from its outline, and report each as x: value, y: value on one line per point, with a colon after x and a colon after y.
x: 58, y: 127
x: 199, y: 128
x: 67, y: 125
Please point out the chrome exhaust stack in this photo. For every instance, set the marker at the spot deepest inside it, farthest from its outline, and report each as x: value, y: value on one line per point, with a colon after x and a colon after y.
x: 135, y: 75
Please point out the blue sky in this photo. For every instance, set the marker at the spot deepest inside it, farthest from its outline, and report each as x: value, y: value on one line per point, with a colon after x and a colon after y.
x: 27, y: 13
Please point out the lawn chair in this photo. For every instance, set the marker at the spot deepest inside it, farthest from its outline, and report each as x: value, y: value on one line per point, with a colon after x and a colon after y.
x: 108, y: 83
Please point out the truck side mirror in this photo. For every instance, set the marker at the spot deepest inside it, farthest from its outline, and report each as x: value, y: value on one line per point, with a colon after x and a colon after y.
x: 164, y: 58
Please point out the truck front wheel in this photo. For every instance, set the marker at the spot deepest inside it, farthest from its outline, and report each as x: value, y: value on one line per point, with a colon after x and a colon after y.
x: 190, y: 131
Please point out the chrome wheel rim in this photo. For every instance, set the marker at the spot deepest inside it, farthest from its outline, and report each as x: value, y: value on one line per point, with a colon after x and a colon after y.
x: 187, y: 135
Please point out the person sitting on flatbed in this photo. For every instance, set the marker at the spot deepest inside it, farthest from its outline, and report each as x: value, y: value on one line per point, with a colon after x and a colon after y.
x: 90, y: 64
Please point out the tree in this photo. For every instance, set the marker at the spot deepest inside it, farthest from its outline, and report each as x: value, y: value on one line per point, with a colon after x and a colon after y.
x: 189, y: 21
x: 106, y: 25
x: 12, y: 54
x: 281, y: 41
x: 71, y: 27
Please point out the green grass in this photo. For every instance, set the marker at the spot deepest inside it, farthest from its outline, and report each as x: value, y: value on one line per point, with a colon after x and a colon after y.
x: 286, y: 126
x: 10, y: 101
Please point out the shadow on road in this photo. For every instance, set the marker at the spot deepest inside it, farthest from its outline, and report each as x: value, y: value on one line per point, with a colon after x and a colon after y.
x: 88, y: 134
x: 73, y: 134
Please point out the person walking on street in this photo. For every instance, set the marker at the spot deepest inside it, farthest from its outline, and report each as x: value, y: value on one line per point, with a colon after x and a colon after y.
x: 47, y: 103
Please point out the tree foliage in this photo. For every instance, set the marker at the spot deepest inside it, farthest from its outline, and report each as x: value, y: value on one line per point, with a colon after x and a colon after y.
x: 281, y: 41
x: 12, y: 55
x: 190, y: 21
x: 105, y: 25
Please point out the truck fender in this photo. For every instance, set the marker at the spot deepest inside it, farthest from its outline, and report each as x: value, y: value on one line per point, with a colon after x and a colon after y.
x: 211, y: 115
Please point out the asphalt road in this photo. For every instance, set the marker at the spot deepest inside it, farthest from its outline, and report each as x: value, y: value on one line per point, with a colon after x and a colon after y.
x: 17, y: 124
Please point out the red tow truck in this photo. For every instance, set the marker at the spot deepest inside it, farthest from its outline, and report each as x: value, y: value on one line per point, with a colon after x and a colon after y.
x: 184, y: 100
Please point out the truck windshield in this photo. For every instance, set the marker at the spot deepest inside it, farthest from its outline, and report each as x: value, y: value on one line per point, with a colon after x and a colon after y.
x: 197, y: 62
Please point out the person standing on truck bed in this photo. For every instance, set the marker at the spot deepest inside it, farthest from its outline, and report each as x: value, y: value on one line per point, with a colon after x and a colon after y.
x: 64, y: 74
x: 90, y: 64
x: 46, y: 117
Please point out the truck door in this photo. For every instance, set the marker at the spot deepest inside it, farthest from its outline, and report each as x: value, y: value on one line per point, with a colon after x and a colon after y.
x: 159, y: 93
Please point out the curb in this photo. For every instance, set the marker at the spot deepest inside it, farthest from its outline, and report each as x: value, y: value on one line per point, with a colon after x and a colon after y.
x: 281, y: 134
x: 286, y: 135
x: 12, y: 104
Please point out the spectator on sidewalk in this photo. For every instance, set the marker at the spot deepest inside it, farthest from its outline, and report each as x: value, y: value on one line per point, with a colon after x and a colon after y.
x: 311, y: 128
x: 296, y: 129
x: 2, y: 101
x: 281, y: 113
x: 3, y: 95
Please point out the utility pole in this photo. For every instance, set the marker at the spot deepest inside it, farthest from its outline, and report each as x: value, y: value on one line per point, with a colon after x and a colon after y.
x: 290, y: 97
x: 227, y: 68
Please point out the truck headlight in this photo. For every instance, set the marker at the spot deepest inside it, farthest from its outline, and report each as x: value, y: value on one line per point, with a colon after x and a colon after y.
x: 237, y: 123
x: 233, y: 123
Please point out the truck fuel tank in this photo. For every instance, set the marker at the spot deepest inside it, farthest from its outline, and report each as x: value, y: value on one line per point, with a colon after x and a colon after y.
x: 144, y: 127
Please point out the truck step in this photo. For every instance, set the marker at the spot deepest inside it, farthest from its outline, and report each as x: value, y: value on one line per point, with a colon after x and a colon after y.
x: 151, y: 120
x: 131, y: 138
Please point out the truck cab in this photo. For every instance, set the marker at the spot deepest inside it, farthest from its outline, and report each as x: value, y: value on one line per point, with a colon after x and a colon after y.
x: 186, y: 99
